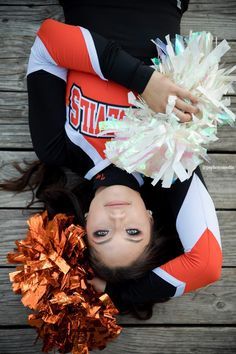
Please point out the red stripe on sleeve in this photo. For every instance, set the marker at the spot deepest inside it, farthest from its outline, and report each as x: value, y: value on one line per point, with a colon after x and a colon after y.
x: 200, y: 266
x: 66, y: 45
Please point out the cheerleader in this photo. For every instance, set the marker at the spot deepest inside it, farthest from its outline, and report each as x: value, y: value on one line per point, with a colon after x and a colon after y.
x: 145, y: 243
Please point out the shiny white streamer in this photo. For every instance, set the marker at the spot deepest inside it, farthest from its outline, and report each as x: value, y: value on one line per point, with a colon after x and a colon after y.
x: 157, y: 144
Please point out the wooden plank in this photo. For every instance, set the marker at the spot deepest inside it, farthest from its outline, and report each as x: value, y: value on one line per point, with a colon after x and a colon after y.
x: 13, y: 74
x: 32, y: 2
x: 29, y: 14
x: 14, y: 112
x: 20, y: 23
x: 216, y: 16
x: 174, y: 340
x: 220, y: 178
x: 15, y: 200
x: 13, y: 227
x: 139, y: 340
x: 16, y: 135
x: 227, y: 223
x: 14, y: 108
x: 19, y: 341
x: 214, y: 304
x: 17, y: 44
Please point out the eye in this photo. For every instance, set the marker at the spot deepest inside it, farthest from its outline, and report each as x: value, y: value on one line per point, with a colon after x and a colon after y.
x: 100, y: 233
x: 133, y: 232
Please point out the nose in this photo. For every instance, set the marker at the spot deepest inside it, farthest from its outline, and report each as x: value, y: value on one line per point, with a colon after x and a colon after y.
x: 117, y: 214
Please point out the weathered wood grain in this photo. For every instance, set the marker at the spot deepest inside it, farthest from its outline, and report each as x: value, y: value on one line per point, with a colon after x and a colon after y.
x: 14, y: 108
x: 12, y: 199
x: 13, y: 227
x: 214, y: 304
x: 13, y: 74
x: 15, y: 136
x: 18, y: 25
x: 220, y: 178
x: 29, y: 14
x: 151, y: 340
x: 17, y: 44
x: 29, y: 2
x: 217, y: 17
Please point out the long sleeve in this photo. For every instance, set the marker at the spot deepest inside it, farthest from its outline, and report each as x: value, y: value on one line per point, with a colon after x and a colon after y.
x: 200, y: 264
x: 59, y: 47
x: 47, y: 115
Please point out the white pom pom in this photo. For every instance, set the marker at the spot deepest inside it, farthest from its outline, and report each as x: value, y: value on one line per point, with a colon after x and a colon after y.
x: 157, y: 144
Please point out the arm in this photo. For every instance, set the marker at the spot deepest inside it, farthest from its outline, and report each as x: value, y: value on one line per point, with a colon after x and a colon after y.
x: 47, y: 114
x: 59, y: 46
x: 197, y: 226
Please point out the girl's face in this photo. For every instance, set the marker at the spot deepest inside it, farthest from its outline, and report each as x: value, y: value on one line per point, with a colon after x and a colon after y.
x: 118, y: 225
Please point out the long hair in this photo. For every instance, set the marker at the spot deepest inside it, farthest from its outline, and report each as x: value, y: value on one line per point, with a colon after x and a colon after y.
x: 51, y: 185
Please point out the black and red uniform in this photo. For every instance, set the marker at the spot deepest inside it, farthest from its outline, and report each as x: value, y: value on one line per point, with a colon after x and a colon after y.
x: 78, y: 78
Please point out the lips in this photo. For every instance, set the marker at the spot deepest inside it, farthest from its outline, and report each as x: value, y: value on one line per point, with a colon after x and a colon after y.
x: 117, y: 203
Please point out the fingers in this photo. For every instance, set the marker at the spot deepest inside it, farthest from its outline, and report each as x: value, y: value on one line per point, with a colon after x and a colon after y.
x: 186, y: 94
x: 182, y: 109
x: 185, y: 107
x: 184, y: 117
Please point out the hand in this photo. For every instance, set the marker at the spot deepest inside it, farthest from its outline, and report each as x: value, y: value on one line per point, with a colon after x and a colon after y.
x: 156, y: 94
x: 98, y: 284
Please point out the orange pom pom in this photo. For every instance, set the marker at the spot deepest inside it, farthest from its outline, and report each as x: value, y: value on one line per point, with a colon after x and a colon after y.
x: 69, y: 315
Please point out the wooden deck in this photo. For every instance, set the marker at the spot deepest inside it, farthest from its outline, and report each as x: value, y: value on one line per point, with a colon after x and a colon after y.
x: 201, y: 322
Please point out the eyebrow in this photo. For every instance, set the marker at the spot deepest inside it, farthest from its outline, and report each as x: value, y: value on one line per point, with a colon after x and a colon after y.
x: 131, y: 240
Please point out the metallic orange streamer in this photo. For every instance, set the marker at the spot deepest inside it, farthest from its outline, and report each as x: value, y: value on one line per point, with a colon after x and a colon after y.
x: 69, y: 314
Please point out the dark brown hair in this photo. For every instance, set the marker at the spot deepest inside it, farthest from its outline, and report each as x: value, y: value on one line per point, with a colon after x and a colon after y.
x: 62, y: 192
x: 153, y: 255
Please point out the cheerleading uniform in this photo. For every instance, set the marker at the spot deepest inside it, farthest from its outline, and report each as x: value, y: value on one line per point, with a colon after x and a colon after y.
x: 92, y: 95
x: 191, y: 209
x: 65, y: 133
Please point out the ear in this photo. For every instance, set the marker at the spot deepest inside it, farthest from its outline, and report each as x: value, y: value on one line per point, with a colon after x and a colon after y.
x: 86, y: 218
x: 150, y: 216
